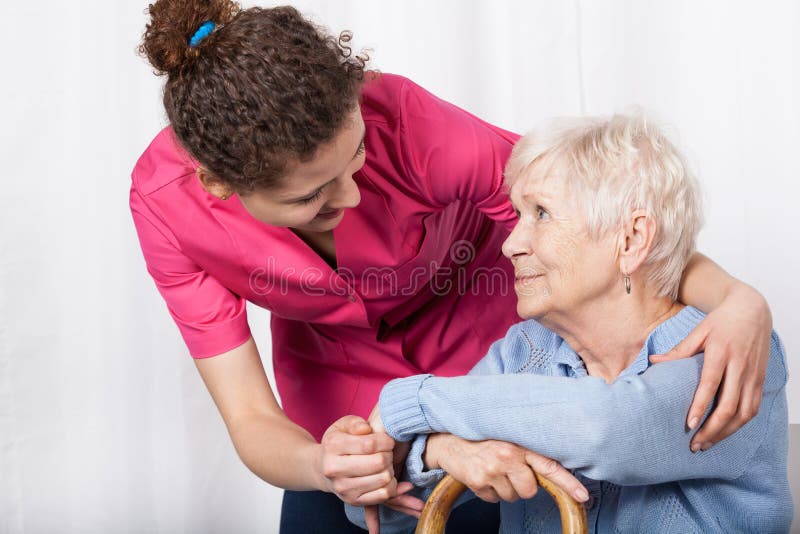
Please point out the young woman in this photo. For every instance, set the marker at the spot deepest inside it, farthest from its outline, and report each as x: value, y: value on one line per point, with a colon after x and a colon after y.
x: 367, y: 215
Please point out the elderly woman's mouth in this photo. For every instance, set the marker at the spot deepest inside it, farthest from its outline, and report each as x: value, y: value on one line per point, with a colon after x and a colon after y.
x: 526, y: 278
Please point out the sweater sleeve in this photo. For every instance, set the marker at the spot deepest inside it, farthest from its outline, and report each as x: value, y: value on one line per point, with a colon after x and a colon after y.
x: 211, y: 319
x: 630, y: 432
x: 506, y: 352
x: 449, y: 154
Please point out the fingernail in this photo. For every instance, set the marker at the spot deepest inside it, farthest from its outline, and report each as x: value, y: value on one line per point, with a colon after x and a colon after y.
x: 582, y: 495
x: 693, y: 423
x: 695, y: 447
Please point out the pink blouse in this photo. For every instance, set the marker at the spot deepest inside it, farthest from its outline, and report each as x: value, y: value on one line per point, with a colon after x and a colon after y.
x: 421, y: 285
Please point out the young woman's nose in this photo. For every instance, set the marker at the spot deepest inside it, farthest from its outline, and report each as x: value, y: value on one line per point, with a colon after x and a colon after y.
x: 346, y: 194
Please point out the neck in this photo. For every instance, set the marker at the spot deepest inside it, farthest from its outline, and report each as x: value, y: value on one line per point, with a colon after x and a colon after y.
x: 320, y: 242
x: 609, y: 334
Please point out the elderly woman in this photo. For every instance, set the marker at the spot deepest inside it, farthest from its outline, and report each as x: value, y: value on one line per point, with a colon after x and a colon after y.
x: 609, y: 214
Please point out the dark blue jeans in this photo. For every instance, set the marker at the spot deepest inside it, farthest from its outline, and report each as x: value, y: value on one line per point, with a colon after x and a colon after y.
x: 317, y: 512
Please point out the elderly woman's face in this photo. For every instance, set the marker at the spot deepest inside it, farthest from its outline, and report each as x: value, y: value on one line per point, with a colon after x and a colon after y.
x: 559, y: 268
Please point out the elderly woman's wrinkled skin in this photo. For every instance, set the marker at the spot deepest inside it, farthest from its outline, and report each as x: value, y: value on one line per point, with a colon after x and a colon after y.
x: 558, y: 267
x: 566, y: 278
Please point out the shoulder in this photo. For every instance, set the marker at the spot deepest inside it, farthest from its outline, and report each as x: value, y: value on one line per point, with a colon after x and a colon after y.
x: 163, y: 162
x: 384, y: 96
x: 392, y: 98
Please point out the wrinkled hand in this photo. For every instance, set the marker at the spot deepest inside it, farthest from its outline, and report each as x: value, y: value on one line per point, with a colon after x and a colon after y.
x: 356, y: 464
x: 735, y: 338
x: 496, y: 470
x: 407, y: 504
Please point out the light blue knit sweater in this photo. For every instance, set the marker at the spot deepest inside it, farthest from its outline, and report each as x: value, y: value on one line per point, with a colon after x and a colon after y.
x: 626, y: 441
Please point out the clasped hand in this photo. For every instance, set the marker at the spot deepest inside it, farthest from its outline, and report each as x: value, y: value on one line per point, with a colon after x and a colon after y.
x: 497, y: 470
x: 361, y: 464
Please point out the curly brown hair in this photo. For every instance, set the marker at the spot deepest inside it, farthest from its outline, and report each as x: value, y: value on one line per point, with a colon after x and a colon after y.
x: 266, y: 88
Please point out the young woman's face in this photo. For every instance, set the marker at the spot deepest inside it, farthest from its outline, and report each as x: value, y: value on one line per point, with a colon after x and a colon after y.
x: 314, y: 195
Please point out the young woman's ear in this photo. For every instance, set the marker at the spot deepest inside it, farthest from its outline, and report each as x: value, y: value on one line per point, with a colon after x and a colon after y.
x: 213, y: 185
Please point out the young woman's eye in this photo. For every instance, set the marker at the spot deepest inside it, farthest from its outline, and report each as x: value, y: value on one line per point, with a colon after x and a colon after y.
x: 361, y: 148
x: 316, y: 196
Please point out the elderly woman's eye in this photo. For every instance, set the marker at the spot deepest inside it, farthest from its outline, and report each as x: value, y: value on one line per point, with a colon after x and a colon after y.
x: 517, y: 212
x: 541, y: 213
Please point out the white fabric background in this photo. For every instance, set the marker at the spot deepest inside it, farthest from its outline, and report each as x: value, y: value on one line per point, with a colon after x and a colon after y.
x: 105, y: 425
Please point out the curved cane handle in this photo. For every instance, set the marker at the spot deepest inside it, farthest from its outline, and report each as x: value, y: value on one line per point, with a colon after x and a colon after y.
x: 437, y: 509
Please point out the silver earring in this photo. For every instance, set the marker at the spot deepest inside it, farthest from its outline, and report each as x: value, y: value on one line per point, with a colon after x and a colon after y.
x: 627, y: 283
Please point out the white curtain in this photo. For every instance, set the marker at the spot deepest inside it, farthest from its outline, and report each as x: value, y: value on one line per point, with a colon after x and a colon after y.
x: 105, y: 425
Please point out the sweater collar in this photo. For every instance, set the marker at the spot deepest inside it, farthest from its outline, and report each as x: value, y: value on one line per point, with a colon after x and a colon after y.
x: 662, y: 339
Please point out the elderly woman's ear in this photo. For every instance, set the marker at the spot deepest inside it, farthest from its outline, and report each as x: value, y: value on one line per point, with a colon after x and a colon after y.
x: 636, y: 239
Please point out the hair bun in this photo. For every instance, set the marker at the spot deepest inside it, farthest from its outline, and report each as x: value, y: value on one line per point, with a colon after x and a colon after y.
x: 165, y: 42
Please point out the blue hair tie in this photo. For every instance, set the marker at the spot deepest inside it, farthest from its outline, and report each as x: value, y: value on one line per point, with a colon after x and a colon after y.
x: 202, y: 32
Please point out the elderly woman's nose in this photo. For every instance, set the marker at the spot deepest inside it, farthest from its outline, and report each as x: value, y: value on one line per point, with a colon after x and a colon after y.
x: 516, y: 244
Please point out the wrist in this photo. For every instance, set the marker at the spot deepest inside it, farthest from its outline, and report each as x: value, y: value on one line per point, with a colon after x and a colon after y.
x: 751, y: 300
x: 431, y: 458
x: 318, y: 479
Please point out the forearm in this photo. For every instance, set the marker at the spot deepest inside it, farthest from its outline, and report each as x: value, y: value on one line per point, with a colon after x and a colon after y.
x: 268, y: 442
x: 705, y: 284
x: 278, y: 451
x: 584, y: 423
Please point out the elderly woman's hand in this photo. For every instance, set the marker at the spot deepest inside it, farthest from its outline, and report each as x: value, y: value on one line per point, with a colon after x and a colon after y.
x: 496, y: 470
x: 735, y: 338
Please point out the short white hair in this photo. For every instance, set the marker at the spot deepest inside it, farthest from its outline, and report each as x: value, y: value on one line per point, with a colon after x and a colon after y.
x: 616, y: 165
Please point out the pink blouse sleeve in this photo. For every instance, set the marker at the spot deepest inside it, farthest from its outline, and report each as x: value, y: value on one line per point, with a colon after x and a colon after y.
x: 453, y: 155
x: 211, y: 318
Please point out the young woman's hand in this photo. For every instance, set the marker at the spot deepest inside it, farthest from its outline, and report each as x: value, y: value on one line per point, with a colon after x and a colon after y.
x: 735, y: 338
x: 401, y: 502
x: 356, y: 463
x: 497, y: 470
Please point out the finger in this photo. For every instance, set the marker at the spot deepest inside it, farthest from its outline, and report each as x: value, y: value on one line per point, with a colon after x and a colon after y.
x: 523, y: 480
x: 504, y: 489
x: 343, y: 443
x: 752, y: 390
x: 407, y: 501
x: 404, y: 487
x: 726, y: 409
x: 710, y: 379
x: 413, y: 512
x: 729, y: 429
x: 749, y: 404
x: 558, y: 475
x: 750, y: 401
x: 688, y: 347
x: 488, y: 495
x: 353, y: 424
x: 408, y: 504
x: 361, y: 486
x: 357, y: 465
x: 371, y: 516
x: 378, y: 495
